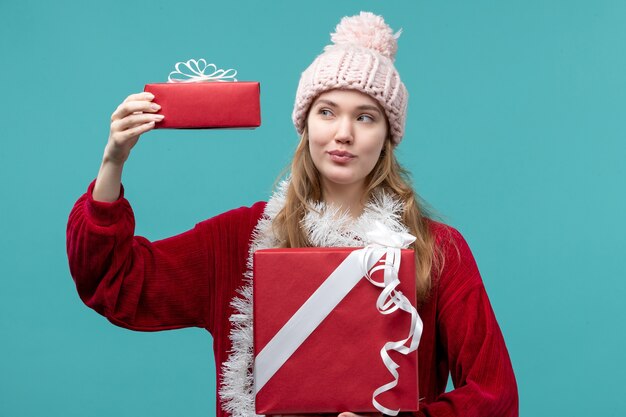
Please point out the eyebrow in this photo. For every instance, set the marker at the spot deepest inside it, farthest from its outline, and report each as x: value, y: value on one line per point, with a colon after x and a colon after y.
x: 361, y: 107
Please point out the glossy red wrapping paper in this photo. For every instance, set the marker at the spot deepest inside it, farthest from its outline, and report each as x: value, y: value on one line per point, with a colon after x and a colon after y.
x: 338, y: 366
x: 207, y: 105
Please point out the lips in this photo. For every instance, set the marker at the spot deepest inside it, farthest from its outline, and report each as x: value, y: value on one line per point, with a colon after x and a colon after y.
x: 341, y: 153
x: 341, y: 156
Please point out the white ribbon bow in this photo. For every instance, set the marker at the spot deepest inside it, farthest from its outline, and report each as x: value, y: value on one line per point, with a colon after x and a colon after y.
x: 195, y: 71
x: 390, y: 243
x: 383, y: 236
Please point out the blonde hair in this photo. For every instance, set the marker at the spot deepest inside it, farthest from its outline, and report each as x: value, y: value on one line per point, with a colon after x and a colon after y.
x: 305, y: 186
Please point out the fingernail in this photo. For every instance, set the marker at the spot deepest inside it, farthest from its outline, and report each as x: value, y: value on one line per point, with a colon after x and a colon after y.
x: 155, y: 106
x: 150, y: 95
x: 159, y: 116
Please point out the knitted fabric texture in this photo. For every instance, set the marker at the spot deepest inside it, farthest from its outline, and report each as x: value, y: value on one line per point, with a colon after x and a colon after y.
x: 360, y: 58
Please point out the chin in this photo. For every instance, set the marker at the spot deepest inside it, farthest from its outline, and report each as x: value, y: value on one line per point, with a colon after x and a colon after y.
x: 336, y: 177
x: 341, y: 180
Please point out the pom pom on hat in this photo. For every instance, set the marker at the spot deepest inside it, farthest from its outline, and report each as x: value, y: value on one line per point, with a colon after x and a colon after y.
x: 369, y: 31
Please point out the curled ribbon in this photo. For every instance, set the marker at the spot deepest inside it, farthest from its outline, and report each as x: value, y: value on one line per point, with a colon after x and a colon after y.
x: 195, y: 71
x: 383, y: 241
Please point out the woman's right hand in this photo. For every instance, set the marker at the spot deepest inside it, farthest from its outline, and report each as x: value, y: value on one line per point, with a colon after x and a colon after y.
x: 132, y: 118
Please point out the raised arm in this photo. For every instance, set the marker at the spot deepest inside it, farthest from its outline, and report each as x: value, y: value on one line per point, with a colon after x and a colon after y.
x: 180, y: 281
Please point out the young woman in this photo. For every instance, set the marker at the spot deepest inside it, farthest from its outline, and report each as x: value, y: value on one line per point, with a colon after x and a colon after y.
x: 350, y: 113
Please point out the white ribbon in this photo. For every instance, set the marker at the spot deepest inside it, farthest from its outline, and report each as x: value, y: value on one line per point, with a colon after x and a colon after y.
x: 384, y: 240
x: 358, y: 264
x: 195, y: 71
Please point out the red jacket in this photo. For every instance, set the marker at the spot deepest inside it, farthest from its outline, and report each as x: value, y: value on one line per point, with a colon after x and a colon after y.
x: 188, y: 280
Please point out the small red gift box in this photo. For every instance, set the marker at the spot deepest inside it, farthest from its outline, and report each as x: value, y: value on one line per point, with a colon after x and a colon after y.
x: 338, y: 365
x: 207, y: 104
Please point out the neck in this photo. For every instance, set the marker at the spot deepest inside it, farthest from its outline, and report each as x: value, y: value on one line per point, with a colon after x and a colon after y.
x: 346, y: 197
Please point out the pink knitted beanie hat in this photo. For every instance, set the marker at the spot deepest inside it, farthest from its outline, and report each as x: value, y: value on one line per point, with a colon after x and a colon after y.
x: 360, y: 58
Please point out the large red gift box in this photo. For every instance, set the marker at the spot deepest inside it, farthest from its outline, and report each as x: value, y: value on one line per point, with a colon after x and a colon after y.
x: 338, y: 366
x: 208, y: 104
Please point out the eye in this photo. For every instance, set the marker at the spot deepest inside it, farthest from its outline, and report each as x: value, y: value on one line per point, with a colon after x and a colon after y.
x: 367, y: 116
x: 325, y: 112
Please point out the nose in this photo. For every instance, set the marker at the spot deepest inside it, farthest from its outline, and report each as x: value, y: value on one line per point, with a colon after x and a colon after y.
x: 344, y: 132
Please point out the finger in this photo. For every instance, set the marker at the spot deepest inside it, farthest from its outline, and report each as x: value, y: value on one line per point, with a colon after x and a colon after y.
x: 130, y: 107
x: 137, y: 130
x: 133, y: 120
x: 139, y: 96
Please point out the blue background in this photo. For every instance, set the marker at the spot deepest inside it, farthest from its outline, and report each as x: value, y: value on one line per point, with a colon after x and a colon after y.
x: 515, y: 134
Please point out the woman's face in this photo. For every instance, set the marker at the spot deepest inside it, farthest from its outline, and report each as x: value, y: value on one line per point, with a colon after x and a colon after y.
x: 347, y: 131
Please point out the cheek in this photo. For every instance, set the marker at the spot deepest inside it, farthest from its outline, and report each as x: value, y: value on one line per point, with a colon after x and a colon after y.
x: 314, y: 145
x: 315, y: 150
x: 375, y: 146
x: 317, y: 142
x: 320, y: 132
x: 313, y: 128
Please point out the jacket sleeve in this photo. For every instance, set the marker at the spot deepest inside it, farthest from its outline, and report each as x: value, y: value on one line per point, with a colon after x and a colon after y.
x: 472, y: 342
x: 138, y: 284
